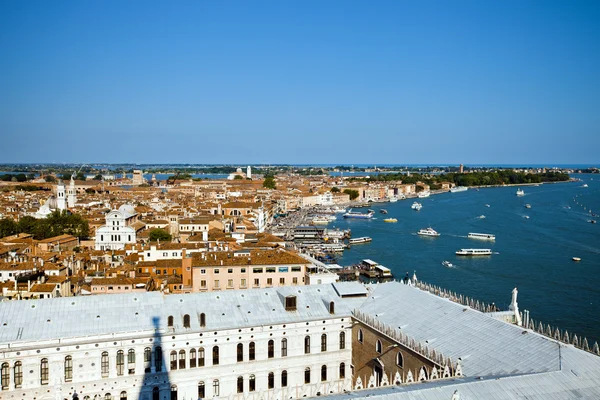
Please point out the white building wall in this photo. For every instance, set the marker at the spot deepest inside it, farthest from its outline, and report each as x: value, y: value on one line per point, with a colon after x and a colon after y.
x: 115, y: 234
x: 88, y: 381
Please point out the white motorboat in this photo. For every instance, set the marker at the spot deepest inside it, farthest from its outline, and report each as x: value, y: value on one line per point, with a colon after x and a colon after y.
x: 458, y: 189
x: 482, y: 236
x: 393, y: 199
x: 416, y: 206
x: 481, y: 216
x: 474, y: 252
x: 447, y: 264
x: 364, y: 239
x: 423, y: 194
x: 527, y: 205
x: 584, y: 185
x: 428, y: 232
x: 520, y: 192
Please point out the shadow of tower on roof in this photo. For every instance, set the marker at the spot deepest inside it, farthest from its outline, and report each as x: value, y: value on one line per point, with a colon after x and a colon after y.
x: 156, y: 384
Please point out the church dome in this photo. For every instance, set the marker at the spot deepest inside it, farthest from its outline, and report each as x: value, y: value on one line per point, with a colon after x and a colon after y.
x: 51, y: 204
x: 127, y: 210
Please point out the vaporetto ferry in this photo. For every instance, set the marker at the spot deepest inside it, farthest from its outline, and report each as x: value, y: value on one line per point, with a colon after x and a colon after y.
x: 482, y: 236
x: 474, y: 252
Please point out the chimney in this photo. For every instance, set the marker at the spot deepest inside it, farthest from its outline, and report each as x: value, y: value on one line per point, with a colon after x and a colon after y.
x: 28, y: 285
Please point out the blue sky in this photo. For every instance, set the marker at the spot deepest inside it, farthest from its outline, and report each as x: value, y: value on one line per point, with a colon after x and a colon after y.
x: 351, y: 82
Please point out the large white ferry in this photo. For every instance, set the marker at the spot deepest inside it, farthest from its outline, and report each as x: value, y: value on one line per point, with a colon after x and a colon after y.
x: 457, y: 189
x: 416, y: 206
x: 482, y: 236
x: 428, y: 232
x: 352, y: 214
x: 520, y: 192
x: 474, y: 252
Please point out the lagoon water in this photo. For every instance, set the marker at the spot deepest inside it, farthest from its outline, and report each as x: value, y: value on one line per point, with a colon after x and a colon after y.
x: 534, y: 254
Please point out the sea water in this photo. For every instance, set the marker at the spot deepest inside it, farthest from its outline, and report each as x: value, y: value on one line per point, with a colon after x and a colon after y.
x: 532, y: 254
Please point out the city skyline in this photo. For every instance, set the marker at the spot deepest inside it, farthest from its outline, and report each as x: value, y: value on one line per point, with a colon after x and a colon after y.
x: 313, y: 83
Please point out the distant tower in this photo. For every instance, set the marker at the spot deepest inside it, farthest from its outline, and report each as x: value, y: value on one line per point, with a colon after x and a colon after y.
x: 71, y: 196
x: 60, y: 196
x: 249, y: 172
x: 461, y: 170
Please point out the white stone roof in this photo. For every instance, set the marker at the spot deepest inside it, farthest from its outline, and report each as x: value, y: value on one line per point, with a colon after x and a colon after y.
x: 66, y: 317
x: 485, y: 345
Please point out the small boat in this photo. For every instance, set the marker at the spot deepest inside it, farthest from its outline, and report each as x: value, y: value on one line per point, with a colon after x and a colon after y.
x: 527, y: 205
x: 383, y: 211
x: 428, y: 232
x: 393, y: 199
x: 592, y: 221
x: 526, y: 216
x: 423, y: 194
x: 364, y: 239
x: 585, y: 185
x: 416, y: 206
x: 458, y: 189
x: 447, y: 264
x: 481, y: 216
x: 390, y: 220
x: 576, y: 259
x: 487, y: 205
x: 474, y: 252
x: 520, y: 192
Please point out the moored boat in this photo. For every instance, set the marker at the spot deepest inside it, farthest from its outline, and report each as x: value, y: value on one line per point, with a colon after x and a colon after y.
x: 390, y: 220
x: 351, y: 214
x: 423, y: 194
x: 364, y: 239
x: 457, y: 189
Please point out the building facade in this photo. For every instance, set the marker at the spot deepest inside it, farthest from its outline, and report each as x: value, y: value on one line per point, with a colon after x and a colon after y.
x: 117, y: 232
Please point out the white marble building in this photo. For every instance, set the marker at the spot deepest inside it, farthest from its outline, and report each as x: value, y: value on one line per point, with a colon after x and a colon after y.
x: 146, y: 346
x: 117, y: 232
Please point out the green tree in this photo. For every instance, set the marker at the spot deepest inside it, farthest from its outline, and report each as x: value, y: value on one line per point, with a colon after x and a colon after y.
x: 353, y: 193
x: 238, y: 177
x: 335, y: 189
x: 269, y: 183
x: 98, y: 177
x: 7, y: 227
x: 159, y: 234
x: 27, y: 224
x: 50, y: 179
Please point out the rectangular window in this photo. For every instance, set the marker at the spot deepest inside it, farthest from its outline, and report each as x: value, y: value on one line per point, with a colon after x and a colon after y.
x: 217, y: 284
x: 295, y: 281
x: 269, y: 281
x: 256, y: 282
x: 230, y: 271
x: 270, y: 270
x: 120, y: 362
x: 243, y: 283
x: 296, y: 269
x: 216, y: 270
x: 44, y: 371
x: 257, y: 270
x: 201, y: 357
x: 282, y: 281
x: 243, y: 270
x: 202, y: 271
x: 283, y: 269
x: 203, y: 284
x: 230, y: 283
